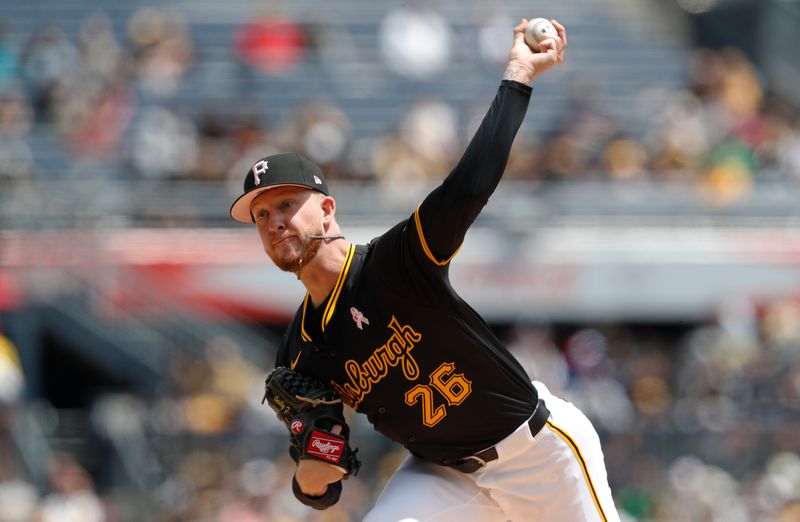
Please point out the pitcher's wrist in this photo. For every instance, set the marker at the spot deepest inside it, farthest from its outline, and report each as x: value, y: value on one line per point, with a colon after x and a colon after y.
x: 519, y: 73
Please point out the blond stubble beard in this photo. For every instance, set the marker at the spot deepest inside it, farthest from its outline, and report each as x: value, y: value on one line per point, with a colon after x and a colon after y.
x: 295, y: 264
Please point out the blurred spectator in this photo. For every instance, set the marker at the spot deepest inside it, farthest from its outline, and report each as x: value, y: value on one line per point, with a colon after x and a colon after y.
x: 780, y: 148
x: 47, y: 60
x: 778, y: 490
x: 99, y: 47
x: 254, y: 484
x: 740, y: 92
x: 430, y: 129
x: 163, y: 50
x: 399, y: 171
x: 524, y: 160
x: 728, y: 177
x: 18, y: 500
x: 232, y: 377
x: 94, y: 118
x: 321, y: 131
x: 421, y: 152
x: 16, y: 120
x: 165, y: 144
x: 540, y: 357
x: 562, y: 160
x: 271, y: 43
x: 702, y: 492
x: 731, y: 98
x: 625, y: 159
x: 581, y: 138
x: 214, y: 151
x: 678, y: 134
x: 780, y: 325
x: 72, y: 497
x: 96, y: 105
x: 594, y: 385
x: 248, y: 134
x: 415, y: 41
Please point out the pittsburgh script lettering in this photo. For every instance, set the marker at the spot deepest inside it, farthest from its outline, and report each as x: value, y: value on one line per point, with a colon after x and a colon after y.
x: 396, y: 351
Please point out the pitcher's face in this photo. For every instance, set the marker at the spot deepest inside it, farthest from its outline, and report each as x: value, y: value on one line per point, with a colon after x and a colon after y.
x: 284, y: 216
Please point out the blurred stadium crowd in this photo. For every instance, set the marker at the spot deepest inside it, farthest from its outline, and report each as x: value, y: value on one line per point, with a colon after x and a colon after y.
x: 699, y: 422
x: 125, y: 98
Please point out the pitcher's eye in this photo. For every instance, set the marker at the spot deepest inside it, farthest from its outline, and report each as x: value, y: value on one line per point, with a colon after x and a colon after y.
x: 261, y: 215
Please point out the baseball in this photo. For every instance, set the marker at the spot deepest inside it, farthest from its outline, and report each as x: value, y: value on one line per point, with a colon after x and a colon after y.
x: 539, y: 29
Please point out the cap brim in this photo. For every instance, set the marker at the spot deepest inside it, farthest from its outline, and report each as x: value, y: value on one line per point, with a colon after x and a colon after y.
x: 240, y: 210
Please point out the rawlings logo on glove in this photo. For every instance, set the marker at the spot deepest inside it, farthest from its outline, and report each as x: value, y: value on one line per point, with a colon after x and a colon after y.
x: 311, y: 410
x: 325, y: 447
x: 297, y: 426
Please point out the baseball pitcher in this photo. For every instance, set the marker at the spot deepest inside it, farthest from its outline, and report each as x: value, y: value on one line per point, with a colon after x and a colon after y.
x: 382, y: 331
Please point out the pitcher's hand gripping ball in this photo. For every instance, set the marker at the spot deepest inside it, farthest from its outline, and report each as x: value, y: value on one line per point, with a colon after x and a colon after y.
x: 538, y: 30
x: 311, y: 410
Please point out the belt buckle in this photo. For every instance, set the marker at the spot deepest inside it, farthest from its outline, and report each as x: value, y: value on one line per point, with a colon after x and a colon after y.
x: 472, y: 464
x: 478, y: 459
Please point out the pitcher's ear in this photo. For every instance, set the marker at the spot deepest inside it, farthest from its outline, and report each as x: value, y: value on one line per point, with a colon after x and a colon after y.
x: 328, y: 205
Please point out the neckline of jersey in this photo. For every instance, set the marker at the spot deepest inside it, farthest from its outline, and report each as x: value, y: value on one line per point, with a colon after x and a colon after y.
x: 332, y: 299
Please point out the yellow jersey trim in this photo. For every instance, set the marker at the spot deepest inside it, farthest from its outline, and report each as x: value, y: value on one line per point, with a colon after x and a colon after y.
x: 303, y: 334
x: 337, y: 288
x: 294, y: 363
x: 561, y: 433
x: 425, y: 243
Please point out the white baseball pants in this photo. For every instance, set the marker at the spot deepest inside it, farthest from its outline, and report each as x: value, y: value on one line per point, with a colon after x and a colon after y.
x: 557, y: 476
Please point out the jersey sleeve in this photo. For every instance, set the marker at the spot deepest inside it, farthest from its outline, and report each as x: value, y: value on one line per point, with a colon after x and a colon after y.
x: 443, y: 218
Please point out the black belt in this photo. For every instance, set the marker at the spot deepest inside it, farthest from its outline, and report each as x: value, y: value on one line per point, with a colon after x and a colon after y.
x: 475, y: 462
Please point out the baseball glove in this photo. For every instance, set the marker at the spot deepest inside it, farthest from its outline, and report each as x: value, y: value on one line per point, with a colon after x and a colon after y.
x: 311, y: 409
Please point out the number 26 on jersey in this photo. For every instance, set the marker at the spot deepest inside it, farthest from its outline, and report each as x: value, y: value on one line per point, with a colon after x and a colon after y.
x: 454, y: 387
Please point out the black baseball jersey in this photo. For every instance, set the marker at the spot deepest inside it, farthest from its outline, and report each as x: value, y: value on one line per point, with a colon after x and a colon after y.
x: 397, y: 341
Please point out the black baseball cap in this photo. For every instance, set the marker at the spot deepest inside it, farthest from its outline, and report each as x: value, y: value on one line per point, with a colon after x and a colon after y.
x: 278, y: 170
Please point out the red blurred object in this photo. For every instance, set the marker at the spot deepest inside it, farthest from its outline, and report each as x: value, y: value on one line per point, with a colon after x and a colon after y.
x: 274, y: 45
x: 11, y: 294
x: 752, y: 131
